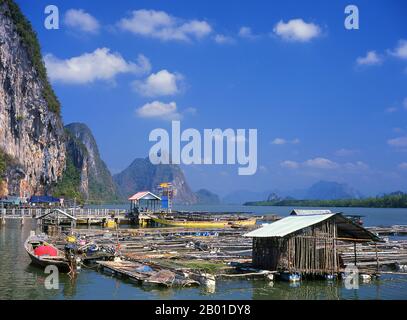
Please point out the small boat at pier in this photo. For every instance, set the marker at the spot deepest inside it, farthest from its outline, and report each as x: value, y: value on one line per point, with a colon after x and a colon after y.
x: 44, y: 254
x: 205, y: 221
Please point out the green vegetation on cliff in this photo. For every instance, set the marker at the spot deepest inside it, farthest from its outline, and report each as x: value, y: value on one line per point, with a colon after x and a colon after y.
x: 30, y: 41
x: 3, y: 163
x: 393, y: 200
x: 69, y: 186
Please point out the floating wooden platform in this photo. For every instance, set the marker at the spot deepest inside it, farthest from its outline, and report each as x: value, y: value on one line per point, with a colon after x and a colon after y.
x: 146, y: 275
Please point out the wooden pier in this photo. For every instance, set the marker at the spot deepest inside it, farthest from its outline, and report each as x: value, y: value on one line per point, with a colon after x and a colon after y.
x: 84, y: 216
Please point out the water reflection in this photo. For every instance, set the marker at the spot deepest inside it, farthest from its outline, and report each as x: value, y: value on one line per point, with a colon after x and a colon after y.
x: 305, y: 290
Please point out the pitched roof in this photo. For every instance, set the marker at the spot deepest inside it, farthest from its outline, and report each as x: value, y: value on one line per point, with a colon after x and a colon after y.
x: 302, y: 212
x: 57, y: 211
x: 144, y: 195
x: 291, y: 224
x: 288, y: 225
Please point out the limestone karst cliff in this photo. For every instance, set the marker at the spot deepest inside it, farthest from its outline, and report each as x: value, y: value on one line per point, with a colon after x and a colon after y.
x: 32, y: 146
x: 86, y: 171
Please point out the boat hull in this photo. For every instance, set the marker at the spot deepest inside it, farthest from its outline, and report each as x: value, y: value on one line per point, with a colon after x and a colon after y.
x: 60, y: 262
x: 205, y: 224
x: 61, y: 265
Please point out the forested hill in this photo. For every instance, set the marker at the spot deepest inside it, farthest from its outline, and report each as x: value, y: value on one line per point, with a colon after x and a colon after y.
x: 392, y: 200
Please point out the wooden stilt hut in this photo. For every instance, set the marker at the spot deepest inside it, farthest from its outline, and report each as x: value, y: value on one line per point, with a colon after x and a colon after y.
x: 305, y: 243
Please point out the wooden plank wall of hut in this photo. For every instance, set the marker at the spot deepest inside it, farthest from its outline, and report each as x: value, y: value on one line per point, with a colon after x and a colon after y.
x: 269, y: 253
x: 310, y: 251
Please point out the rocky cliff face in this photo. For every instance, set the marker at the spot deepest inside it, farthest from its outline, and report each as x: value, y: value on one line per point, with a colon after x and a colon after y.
x: 142, y: 175
x: 31, y: 131
x: 95, y: 182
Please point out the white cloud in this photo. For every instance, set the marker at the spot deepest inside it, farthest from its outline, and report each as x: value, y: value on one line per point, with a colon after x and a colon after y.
x: 371, y: 58
x: 297, y: 30
x: 403, y: 165
x: 401, y: 50
x: 398, y: 142
x: 321, y: 163
x: 160, y: 110
x: 345, y: 152
x: 281, y: 141
x: 222, y: 39
x: 162, y: 83
x: 246, y: 32
x: 290, y: 164
x: 89, y: 67
x: 160, y: 25
x: 82, y: 21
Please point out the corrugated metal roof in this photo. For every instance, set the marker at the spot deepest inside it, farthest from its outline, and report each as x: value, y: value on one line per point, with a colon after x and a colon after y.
x: 288, y: 225
x: 302, y: 212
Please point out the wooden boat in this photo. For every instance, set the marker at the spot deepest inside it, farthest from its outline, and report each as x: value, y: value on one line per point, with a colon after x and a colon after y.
x: 210, y: 223
x: 59, y: 261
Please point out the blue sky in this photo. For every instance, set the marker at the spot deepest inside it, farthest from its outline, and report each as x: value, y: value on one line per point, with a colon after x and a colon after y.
x: 328, y: 103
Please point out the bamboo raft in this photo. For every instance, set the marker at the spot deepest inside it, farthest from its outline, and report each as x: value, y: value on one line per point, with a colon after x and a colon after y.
x: 146, y: 275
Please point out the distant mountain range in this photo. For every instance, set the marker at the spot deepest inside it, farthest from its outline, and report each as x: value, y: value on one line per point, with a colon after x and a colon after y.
x: 322, y: 190
x: 329, y: 190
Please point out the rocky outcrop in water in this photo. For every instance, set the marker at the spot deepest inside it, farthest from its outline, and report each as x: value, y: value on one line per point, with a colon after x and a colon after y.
x: 142, y: 175
x: 31, y: 132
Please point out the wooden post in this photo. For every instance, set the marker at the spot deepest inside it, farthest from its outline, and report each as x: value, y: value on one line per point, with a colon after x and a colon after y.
x: 354, y: 250
x: 377, y: 257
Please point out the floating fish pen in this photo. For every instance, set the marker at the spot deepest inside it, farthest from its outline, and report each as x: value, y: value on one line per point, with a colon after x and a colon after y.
x: 306, y: 243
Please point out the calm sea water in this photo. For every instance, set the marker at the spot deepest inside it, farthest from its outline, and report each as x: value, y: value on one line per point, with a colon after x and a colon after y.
x: 20, y: 280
